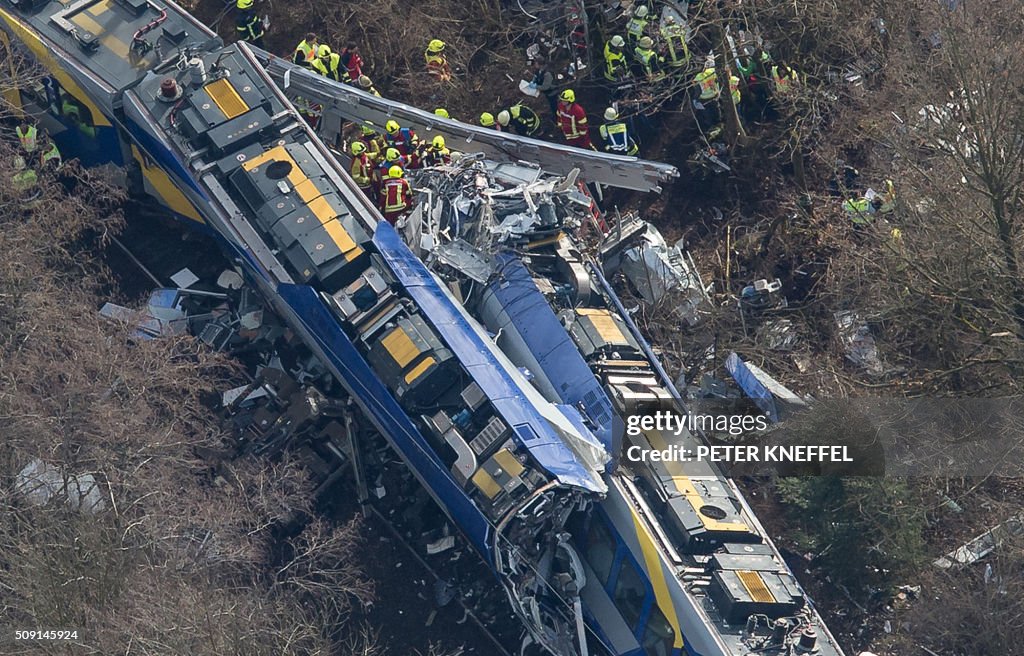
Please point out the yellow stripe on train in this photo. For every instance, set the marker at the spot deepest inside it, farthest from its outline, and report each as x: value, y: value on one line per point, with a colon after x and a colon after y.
x: 43, y: 54
x: 657, y: 574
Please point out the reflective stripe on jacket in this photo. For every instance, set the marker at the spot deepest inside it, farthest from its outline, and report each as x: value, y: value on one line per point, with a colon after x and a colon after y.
x: 395, y: 195
x: 28, y: 138
x: 617, y: 140
x: 572, y: 119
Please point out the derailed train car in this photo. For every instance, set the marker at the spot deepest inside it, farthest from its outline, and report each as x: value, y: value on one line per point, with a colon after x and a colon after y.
x: 215, y: 141
x: 673, y: 558
x: 653, y: 561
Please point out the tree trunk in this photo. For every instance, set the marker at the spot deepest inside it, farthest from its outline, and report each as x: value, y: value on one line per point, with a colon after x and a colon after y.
x: 1005, y: 230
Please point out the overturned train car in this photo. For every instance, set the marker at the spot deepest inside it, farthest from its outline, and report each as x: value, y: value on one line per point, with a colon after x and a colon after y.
x: 592, y: 561
x: 674, y: 560
x: 203, y: 129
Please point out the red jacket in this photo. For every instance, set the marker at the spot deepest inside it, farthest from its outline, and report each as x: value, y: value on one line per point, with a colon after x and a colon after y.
x: 396, y: 195
x: 405, y: 140
x: 572, y: 119
x: 353, y: 64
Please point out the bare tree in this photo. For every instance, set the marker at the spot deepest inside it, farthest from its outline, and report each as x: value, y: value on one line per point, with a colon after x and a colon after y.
x: 947, y: 285
x: 168, y: 553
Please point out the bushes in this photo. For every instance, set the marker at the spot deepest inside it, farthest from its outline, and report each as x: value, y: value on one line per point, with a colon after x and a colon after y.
x: 864, y: 531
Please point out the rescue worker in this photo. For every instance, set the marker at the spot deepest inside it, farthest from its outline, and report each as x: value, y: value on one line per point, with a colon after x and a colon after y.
x: 523, y: 120
x: 352, y: 62
x: 248, y: 26
x: 707, y: 92
x: 616, y: 68
x: 707, y: 83
x: 396, y: 195
x: 437, y: 154
x: 366, y: 84
x: 756, y: 64
x: 374, y: 142
x: 734, y: 88
x: 649, y: 61
x: 757, y: 87
x: 73, y: 112
x: 28, y: 137
x: 362, y: 168
x: 437, y: 63
x: 572, y: 120
x: 306, y: 51
x: 861, y: 210
x: 674, y: 36
x: 784, y: 79
x: 309, y: 111
x: 23, y: 179
x: 403, y: 139
x: 544, y: 80
x: 637, y: 25
x: 616, y: 136
x: 391, y: 157
x: 487, y: 121
x: 49, y: 158
x: 327, y: 63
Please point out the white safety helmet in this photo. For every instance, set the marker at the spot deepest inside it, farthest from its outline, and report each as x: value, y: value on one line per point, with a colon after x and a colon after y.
x: 610, y: 114
x: 641, y: 11
x: 504, y: 117
x: 618, y: 41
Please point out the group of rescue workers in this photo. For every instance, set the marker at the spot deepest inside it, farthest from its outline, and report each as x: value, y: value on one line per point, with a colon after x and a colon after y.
x: 36, y: 153
x: 379, y: 162
x: 651, y: 50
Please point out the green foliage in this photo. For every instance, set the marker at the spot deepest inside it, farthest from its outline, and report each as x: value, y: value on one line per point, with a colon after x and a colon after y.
x: 864, y: 531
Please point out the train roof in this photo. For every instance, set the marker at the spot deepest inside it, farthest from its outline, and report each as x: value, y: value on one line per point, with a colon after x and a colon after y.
x: 116, y: 41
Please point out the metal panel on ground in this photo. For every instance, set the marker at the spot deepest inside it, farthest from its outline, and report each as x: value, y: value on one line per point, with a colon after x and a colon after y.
x: 352, y: 104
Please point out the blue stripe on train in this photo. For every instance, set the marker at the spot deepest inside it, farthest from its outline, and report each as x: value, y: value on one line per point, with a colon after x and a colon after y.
x: 379, y: 404
x: 532, y: 430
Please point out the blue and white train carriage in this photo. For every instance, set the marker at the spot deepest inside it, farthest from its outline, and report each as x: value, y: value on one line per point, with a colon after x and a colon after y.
x: 653, y: 561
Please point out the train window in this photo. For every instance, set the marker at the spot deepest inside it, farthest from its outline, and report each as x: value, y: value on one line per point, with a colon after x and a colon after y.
x: 659, y: 635
x: 600, y: 553
x: 78, y: 115
x: 629, y: 594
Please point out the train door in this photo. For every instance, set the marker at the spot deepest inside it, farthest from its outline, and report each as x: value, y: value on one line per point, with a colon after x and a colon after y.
x: 79, y: 134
